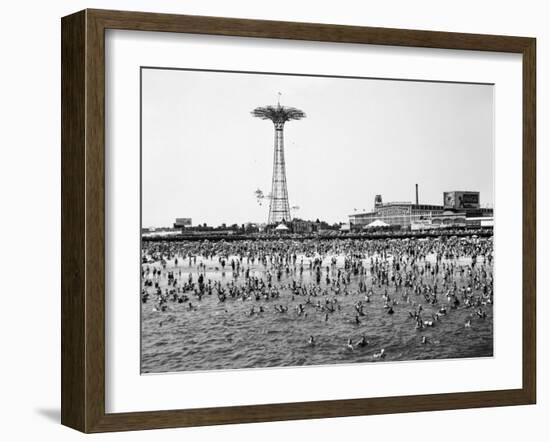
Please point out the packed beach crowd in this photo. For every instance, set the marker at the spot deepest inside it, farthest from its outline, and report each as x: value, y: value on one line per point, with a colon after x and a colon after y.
x: 323, y: 281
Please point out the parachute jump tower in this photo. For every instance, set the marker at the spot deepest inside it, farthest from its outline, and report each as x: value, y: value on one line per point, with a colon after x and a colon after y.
x: 279, y: 208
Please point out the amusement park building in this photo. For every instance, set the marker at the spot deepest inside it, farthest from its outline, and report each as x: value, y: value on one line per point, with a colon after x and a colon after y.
x: 459, y: 209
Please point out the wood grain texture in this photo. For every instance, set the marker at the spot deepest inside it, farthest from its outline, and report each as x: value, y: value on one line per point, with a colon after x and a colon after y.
x: 73, y: 128
x: 145, y: 21
x: 529, y: 222
x: 95, y: 222
x: 83, y: 220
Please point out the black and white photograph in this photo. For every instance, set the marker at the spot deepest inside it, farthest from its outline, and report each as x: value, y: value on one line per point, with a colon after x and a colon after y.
x: 293, y: 220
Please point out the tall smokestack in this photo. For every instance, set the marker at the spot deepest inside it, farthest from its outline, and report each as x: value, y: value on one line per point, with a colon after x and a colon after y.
x: 416, y: 194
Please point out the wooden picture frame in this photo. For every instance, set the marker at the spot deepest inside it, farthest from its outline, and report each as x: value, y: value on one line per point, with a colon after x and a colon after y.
x: 83, y: 220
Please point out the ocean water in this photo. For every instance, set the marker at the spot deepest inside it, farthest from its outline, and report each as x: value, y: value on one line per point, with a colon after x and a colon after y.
x: 222, y: 335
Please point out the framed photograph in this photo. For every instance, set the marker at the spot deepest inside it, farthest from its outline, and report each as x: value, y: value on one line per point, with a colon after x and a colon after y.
x: 267, y: 221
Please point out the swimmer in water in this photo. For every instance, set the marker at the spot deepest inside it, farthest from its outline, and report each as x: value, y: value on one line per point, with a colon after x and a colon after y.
x: 481, y: 314
x: 362, y: 342
x: 380, y: 355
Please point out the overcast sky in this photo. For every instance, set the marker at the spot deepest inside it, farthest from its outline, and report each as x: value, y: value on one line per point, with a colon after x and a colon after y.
x: 204, y: 155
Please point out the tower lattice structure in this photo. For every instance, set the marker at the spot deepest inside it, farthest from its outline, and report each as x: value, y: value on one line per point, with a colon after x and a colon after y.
x: 279, y: 207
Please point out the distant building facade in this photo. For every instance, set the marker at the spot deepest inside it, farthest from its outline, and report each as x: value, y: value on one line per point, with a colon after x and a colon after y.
x: 183, y: 222
x: 302, y: 226
x: 457, y: 208
x: 467, y: 202
x: 461, y: 200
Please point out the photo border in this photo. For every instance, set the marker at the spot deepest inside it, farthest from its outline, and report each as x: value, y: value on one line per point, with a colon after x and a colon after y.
x: 248, y: 72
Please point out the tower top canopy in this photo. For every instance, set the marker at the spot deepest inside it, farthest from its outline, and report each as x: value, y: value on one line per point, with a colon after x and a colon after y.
x: 278, y: 114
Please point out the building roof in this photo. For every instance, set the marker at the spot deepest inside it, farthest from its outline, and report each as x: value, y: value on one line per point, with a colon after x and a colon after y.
x: 377, y: 223
x: 377, y: 210
x: 281, y: 227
